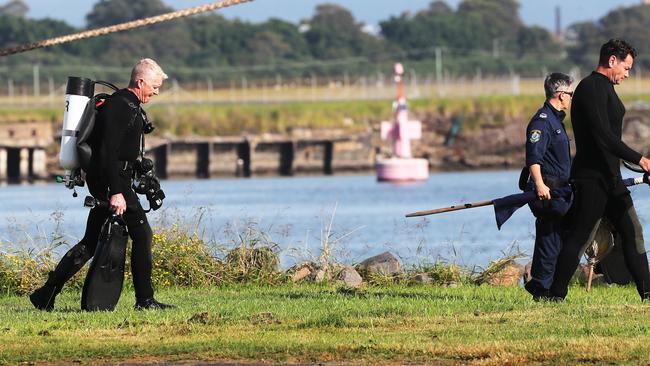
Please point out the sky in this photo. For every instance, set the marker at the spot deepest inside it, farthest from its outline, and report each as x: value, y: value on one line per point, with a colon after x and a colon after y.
x: 533, y: 12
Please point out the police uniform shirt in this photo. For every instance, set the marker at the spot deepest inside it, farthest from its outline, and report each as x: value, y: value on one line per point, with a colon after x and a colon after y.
x: 547, y: 143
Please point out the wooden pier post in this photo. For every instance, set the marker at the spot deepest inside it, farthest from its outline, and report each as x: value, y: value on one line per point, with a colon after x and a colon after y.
x: 24, y: 164
x: 160, y: 155
x: 39, y: 164
x: 244, y: 153
x: 328, y: 156
x: 3, y: 164
x: 287, y: 152
x: 203, y: 154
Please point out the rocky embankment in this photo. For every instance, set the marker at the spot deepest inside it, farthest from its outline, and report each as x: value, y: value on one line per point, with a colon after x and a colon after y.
x: 501, y: 145
x: 490, y: 146
x: 449, y: 143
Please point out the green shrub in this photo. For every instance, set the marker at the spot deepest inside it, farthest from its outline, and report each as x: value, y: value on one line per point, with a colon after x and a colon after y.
x: 181, y: 258
x: 21, y: 273
x: 444, y: 274
x: 253, y: 259
x: 381, y: 279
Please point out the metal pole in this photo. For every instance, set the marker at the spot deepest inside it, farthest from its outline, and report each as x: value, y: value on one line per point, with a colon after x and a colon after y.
x: 463, y: 206
x: 37, y: 84
x: 495, y: 48
x: 50, y: 83
x: 175, y: 91
x: 244, y: 86
x: 438, y: 64
x: 264, y: 96
x: 10, y: 89
x: 516, y: 90
x: 414, y: 84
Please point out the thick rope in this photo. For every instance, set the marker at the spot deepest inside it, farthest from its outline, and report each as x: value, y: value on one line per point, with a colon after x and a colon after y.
x: 121, y: 27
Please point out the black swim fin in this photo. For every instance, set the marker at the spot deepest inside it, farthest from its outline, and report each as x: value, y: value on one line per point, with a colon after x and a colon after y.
x: 103, y: 284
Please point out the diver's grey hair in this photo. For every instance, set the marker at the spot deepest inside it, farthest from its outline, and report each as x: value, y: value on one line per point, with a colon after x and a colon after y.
x: 556, y: 82
x: 146, y: 69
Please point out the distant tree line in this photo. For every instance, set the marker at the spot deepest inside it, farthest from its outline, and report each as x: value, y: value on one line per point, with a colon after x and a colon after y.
x: 480, y: 37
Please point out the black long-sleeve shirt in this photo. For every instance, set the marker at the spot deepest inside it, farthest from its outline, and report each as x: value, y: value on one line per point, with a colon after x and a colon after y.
x: 119, y: 125
x: 597, y: 118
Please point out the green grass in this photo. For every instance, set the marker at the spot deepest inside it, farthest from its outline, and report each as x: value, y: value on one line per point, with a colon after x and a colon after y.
x: 351, y: 116
x: 479, y: 325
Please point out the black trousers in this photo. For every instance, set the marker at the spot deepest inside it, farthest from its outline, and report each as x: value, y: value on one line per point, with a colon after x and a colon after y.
x: 139, y: 231
x: 591, y: 202
x: 548, y: 240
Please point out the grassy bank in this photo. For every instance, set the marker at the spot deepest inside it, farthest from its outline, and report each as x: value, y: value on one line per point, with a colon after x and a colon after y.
x: 235, y: 304
x: 479, y: 325
x: 232, y: 119
x: 352, y: 116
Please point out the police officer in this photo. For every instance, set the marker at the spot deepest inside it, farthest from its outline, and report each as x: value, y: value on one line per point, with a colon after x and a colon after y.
x: 548, y: 159
x: 597, y: 118
x: 117, y: 142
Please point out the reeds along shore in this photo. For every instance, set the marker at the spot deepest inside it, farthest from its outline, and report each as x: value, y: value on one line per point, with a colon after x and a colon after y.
x: 182, y: 258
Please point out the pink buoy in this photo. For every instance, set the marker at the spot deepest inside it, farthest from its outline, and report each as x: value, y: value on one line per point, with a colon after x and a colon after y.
x: 401, y: 166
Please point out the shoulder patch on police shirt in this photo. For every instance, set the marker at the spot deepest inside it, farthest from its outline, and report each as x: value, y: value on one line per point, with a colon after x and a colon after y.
x: 543, y: 115
x: 535, y: 135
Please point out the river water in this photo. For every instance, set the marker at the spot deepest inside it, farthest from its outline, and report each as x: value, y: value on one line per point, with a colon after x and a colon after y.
x: 356, y: 215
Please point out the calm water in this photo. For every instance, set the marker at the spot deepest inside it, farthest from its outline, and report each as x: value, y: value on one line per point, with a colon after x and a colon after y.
x: 366, y: 217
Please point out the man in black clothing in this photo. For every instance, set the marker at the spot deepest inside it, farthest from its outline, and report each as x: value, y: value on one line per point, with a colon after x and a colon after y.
x: 597, y: 118
x: 116, y: 142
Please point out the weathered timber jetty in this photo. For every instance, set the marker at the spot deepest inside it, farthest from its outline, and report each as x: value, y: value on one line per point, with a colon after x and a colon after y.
x: 23, y: 148
x: 207, y: 157
x: 29, y: 151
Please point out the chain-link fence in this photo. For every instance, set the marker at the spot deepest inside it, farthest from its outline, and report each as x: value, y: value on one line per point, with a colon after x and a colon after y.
x: 46, y: 86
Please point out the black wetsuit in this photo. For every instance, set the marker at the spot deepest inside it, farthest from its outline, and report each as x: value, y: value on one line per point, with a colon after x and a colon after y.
x: 597, y: 118
x: 116, y: 143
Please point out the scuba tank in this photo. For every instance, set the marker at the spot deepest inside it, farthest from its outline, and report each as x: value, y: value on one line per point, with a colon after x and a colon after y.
x: 77, y: 94
x: 78, y: 122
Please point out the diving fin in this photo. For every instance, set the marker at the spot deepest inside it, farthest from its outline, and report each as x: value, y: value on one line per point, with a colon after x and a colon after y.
x: 103, y: 284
